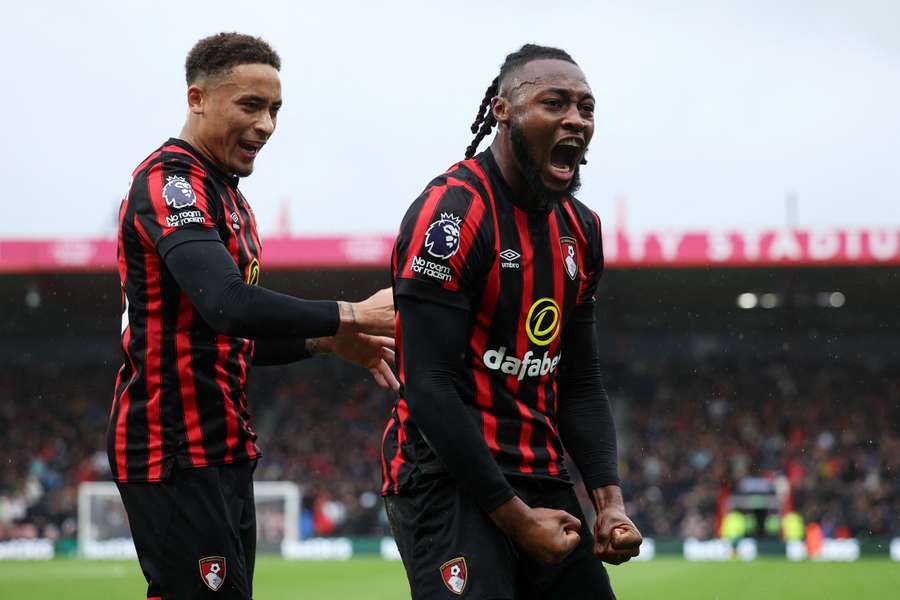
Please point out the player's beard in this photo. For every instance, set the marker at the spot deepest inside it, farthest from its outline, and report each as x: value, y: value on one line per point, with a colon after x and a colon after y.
x: 531, y: 170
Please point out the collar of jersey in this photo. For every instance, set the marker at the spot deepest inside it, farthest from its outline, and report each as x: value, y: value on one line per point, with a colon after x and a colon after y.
x: 500, y: 184
x: 231, y: 180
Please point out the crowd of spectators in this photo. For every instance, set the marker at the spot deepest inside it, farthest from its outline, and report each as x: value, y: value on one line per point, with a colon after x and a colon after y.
x: 831, y: 431
x: 689, y: 434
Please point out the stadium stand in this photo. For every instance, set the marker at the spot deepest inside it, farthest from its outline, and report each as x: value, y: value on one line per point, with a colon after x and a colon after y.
x: 690, y: 435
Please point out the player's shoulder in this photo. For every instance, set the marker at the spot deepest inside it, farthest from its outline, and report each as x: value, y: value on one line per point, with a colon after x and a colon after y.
x: 588, y: 219
x: 456, y: 190
x: 170, y: 160
x: 171, y: 174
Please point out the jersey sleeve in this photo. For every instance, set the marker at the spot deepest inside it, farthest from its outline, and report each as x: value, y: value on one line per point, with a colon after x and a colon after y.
x: 593, y: 270
x: 443, y: 251
x: 171, y: 205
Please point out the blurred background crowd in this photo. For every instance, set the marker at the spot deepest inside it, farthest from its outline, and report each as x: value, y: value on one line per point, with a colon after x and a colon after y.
x: 821, y: 439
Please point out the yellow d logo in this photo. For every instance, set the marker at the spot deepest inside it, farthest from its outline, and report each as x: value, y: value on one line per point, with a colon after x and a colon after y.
x: 253, y: 272
x: 543, y: 323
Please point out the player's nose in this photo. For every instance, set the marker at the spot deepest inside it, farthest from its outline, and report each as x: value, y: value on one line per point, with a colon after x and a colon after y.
x: 265, y: 125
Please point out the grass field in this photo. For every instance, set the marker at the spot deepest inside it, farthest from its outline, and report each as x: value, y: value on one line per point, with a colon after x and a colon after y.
x: 375, y: 579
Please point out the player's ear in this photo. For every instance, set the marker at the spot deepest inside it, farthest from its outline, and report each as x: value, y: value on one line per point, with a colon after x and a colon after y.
x: 195, y: 97
x: 500, y: 109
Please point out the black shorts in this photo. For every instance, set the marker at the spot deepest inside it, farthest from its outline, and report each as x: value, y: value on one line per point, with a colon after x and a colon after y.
x: 451, y: 548
x: 195, y: 533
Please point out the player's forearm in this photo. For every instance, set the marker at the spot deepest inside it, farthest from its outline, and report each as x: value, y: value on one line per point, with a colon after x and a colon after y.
x: 442, y: 418
x: 588, y: 433
x: 207, y: 274
x: 434, y: 340
x: 253, y: 312
x: 585, y: 417
x: 280, y: 351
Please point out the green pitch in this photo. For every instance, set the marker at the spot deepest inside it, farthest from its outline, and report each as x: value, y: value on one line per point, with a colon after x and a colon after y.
x: 374, y: 579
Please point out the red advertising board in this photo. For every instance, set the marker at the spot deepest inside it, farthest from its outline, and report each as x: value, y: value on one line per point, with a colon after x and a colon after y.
x: 733, y: 248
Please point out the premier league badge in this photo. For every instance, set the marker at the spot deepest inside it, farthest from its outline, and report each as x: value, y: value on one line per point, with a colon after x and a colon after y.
x: 178, y: 192
x: 455, y: 575
x: 212, y: 571
x: 442, y: 236
x: 569, y: 256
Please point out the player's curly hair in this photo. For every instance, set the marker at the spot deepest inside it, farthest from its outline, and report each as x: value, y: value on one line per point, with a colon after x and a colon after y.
x: 484, y: 119
x: 219, y: 53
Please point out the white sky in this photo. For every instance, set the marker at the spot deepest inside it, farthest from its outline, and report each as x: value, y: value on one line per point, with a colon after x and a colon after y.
x: 709, y: 113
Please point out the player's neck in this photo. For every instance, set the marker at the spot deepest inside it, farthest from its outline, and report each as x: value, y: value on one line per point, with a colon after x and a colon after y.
x: 196, y: 142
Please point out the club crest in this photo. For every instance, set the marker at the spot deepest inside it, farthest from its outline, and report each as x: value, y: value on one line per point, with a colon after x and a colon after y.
x: 442, y: 236
x: 178, y: 192
x: 569, y: 252
x: 455, y: 575
x: 212, y: 571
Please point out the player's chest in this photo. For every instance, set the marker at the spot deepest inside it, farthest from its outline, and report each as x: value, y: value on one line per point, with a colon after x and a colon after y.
x: 237, y: 228
x: 540, y: 259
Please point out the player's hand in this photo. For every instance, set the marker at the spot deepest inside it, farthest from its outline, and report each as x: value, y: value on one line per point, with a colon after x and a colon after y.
x: 372, y: 352
x: 545, y: 534
x: 616, y: 539
x: 374, y: 315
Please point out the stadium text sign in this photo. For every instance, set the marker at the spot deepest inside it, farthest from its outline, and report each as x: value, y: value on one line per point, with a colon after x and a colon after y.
x: 750, y: 248
x: 731, y: 248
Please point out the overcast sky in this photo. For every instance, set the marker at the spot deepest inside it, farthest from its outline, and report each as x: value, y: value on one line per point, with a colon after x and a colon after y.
x: 709, y: 113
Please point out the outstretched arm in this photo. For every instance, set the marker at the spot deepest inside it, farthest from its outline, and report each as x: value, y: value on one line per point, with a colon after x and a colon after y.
x: 206, y: 272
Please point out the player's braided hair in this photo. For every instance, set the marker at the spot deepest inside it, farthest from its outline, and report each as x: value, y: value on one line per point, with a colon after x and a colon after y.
x: 484, y: 119
x: 219, y: 53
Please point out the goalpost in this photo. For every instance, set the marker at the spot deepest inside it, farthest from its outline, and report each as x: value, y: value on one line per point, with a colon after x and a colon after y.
x: 103, y: 525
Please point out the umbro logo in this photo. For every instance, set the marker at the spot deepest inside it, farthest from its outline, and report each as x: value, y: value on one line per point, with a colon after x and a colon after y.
x: 509, y: 259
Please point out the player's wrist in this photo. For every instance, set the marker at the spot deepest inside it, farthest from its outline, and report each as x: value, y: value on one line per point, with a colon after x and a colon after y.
x: 512, y: 516
x: 322, y: 345
x: 605, y: 497
x: 350, y: 315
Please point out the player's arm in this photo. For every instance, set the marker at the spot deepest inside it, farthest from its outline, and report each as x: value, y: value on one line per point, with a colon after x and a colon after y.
x: 435, y: 337
x: 285, y: 329
x: 375, y: 353
x: 280, y: 351
x: 589, y: 435
x: 207, y: 273
x: 174, y: 217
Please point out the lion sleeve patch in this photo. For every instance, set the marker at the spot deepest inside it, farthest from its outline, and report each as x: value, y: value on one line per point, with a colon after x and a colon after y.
x: 168, y: 197
x: 439, y: 239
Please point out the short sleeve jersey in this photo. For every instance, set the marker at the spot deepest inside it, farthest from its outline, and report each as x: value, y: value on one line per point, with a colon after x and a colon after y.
x: 179, y: 397
x: 524, y: 276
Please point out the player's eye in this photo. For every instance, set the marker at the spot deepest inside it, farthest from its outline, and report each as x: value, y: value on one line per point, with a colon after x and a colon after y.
x: 553, y: 103
x: 588, y: 108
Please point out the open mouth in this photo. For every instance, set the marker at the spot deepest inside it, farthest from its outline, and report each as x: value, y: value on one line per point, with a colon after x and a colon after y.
x: 566, y: 155
x: 250, y: 149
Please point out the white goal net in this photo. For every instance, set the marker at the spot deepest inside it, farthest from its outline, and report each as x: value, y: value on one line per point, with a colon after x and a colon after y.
x: 103, y: 525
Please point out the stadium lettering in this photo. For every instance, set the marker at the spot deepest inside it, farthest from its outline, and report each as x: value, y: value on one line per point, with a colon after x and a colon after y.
x: 431, y: 269
x: 496, y: 360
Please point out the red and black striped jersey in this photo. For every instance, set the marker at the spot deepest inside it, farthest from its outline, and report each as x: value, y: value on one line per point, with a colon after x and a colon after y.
x: 467, y: 241
x: 179, y: 398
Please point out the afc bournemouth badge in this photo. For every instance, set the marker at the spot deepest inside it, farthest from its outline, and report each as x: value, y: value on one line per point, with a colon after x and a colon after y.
x: 569, y: 256
x: 212, y: 571
x: 455, y: 575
